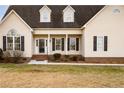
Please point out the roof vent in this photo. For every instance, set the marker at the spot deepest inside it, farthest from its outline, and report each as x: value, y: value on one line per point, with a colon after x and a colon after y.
x: 116, y: 11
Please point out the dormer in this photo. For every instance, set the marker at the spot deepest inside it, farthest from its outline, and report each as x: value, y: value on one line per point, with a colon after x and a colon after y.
x: 45, y: 14
x: 68, y: 14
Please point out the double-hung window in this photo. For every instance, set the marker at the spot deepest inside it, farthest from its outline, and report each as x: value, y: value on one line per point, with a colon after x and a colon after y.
x: 45, y: 17
x: 68, y: 14
x: 13, y: 41
x: 10, y: 43
x: 100, y: 43
x: 58, y: 43
x: 72, y: 44
x: 45, y: 14
x: 17, y: 43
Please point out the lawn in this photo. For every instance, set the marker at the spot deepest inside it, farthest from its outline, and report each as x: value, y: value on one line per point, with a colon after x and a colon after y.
x: 23, y: 75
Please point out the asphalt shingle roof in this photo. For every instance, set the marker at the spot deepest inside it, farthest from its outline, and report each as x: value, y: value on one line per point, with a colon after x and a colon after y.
x: 30, y: 14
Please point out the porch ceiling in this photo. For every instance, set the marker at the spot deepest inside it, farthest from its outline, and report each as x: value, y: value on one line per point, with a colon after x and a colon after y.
x: 57, y: 32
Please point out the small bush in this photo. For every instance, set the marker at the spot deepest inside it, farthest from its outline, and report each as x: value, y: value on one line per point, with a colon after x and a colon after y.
x: 57, y: 56
x: 66, y: 56
x: 7, y: 54
x: 74, y: 58
x: 24, y: 59
x: 17, y: 55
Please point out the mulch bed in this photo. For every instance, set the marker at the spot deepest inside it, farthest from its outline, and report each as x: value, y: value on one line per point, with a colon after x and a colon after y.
x: 110, y: 62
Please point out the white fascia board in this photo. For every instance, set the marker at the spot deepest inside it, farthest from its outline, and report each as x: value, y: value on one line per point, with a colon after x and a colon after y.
x: 57, y: 28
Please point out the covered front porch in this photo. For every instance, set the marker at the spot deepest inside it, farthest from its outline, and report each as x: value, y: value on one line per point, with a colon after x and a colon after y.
x: 64, y: 41
x: 49, y: 44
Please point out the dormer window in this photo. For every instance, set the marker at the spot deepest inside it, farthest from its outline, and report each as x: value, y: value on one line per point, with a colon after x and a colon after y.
x: 68, y: 14
x: 45, y: 14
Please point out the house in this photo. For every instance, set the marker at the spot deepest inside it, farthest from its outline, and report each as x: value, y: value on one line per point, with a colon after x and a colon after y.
x: 96, y: 32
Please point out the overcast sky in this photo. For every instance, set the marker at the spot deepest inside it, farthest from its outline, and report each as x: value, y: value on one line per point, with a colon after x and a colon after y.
x: 3, y: 9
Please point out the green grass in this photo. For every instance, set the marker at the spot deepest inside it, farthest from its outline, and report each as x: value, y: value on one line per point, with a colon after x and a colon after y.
x: 62, y: 68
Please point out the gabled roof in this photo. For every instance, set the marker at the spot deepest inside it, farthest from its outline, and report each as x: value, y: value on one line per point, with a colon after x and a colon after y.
x: 30, y: 14
x: 12, y: 11
x: 44, y: 8
x: 68, y: 7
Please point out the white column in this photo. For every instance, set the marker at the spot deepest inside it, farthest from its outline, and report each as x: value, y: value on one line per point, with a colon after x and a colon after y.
x: 13, y: 43
x: 48, y: 44
x: 66, y: 44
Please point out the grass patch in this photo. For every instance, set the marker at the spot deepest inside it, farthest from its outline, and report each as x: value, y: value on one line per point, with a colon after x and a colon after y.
x: 62, y: 68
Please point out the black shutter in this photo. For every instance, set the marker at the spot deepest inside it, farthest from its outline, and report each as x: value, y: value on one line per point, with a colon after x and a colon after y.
x: 77, y: 44
x: 22, y: 43
x: 95, y: 43
x: 105, y: 43
x: 53, y: 44
x: 4, y: 43
x: 68, y: 44
x: 62, y: 44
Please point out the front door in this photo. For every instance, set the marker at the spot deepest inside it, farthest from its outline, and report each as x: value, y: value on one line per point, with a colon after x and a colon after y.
x: 41, y: 46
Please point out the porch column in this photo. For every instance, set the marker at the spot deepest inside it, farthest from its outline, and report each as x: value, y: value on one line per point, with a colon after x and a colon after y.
x: 66, y: 44
x: 48, y: 44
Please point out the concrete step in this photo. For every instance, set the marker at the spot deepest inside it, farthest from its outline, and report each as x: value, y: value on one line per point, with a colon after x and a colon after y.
x: 38, y: 62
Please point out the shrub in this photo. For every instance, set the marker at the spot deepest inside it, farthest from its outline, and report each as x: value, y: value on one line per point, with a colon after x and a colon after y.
x: 57, y: 56
x: 17, y: 55
x: 66, y: 58
x: 14, y: 56
x: 1, y: 53
x: 74, y: 58
x: 7, y: 54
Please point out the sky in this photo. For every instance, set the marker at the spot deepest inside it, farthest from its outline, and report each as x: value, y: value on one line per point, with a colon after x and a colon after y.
x: 3, y: 9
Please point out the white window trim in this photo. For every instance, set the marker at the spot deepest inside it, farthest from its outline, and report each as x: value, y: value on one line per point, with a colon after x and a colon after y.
x: 60, y: 44
x: 36, y: 42
x: 42, y: 20
x: 100, y: 47
x: 13, y: 43
x: 9, y: 34
x: 7, y: 42
x: 71, y: 20
x: 17, y: 43
x: 68, y: 21
x: 75, y: 43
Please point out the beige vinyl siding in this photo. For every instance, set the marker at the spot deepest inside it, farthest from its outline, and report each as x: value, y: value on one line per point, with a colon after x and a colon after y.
x: 14, y: 22
x: 106, y: 23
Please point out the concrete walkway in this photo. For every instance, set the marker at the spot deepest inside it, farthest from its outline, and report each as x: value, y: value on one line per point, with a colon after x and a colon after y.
x: 38, y: 62
x: 85, y: 64
x: 79, y: 64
